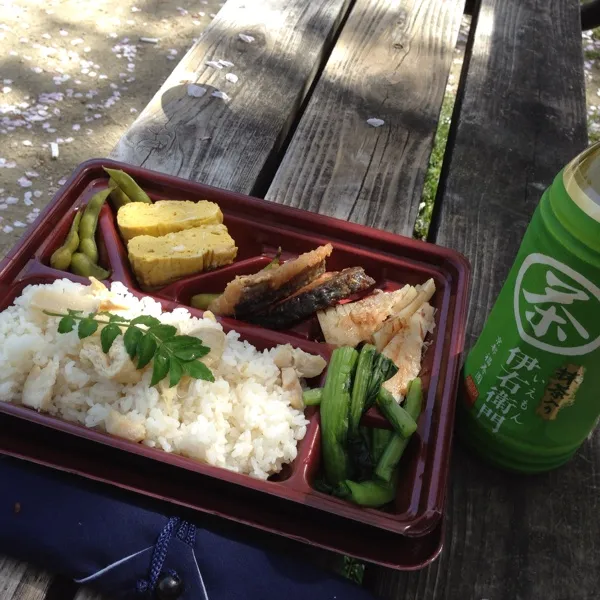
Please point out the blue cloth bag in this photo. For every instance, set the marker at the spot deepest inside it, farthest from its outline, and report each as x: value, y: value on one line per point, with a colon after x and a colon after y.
x: 101, y: 537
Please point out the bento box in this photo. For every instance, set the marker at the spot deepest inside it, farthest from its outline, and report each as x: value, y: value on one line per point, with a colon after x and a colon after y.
x: 260, y: 228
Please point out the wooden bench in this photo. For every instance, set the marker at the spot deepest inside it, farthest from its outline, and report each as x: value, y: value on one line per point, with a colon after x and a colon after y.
x: 294, y: 131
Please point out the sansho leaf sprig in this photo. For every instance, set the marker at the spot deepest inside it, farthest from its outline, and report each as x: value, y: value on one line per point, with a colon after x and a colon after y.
x: 174, y: 355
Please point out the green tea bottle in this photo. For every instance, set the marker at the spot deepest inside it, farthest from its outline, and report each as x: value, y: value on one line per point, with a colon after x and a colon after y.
x: 532, y: 381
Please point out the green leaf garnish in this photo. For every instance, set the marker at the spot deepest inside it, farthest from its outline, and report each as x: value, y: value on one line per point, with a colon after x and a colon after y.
x: 145, y: 320
x: 87, y: 327
x: 182, y: 340
x: 116, y: 318
x: 160, y: 368
x: 198, y: 370
x: 175, y: 371
x: 146, y: 349
x: 172, y: 355
x: 66, y: 324
x: 191, y: 353
x: 187, y: 347
x: 163, y: 332
x: 108, y: 335
x: 131, y: 339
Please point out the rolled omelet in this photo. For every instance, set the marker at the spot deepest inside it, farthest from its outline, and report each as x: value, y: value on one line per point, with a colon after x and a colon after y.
x: 165, y: 216
x: 158, y: 261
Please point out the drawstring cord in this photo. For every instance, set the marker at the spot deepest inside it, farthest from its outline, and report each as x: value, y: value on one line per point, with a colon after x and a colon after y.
x: 186, y: 532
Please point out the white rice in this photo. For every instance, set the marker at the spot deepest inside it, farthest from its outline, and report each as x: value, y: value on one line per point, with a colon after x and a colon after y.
x: 243, y: 421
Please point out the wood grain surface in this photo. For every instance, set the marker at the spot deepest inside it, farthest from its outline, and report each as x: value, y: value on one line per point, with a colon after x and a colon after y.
x: 521, y: 118
x: 232, y: 144
x: 20, y: 581
x: 86, y: 593
x: 391, y: 62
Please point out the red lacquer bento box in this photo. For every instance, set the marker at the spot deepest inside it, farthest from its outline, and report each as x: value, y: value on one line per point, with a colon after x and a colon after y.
x: 406, y: 536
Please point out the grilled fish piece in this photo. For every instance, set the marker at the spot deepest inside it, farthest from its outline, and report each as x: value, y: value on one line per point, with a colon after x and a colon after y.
x: 355, y: 322
x: 248, y: 294
x: 325, y: 291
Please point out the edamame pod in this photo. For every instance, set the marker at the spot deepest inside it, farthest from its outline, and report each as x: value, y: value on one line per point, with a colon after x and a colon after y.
x: 61, y: 257
x: 202, y: 301
x: 128, y: 185
x: 82, y: 265
x: 117, y: 195
x: 88, y: 224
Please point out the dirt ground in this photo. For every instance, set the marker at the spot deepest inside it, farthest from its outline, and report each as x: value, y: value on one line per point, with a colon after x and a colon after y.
x: 75, y: 73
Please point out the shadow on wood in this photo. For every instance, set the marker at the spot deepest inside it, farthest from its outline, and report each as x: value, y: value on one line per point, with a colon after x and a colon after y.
x: 291, y: 39
x: 590, y: 15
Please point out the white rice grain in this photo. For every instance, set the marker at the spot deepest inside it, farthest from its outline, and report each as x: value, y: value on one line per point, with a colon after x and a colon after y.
x: 243, y: 421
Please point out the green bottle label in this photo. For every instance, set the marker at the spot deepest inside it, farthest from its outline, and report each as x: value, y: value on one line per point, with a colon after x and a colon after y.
x: 552, y: 302
x: 532, y: 377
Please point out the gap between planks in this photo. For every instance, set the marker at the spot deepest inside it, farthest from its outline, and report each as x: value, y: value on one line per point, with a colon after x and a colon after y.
x: 391, y: 62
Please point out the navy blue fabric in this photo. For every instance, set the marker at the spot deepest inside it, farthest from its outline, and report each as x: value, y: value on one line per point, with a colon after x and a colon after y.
x: 102, y: 538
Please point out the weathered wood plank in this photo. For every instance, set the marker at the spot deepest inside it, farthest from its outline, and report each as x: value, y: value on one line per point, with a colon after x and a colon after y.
x: 522, y: 117
x: 391, y: 62
x: 86, y: 593
x: 232, y: 143
x: 20, y: 581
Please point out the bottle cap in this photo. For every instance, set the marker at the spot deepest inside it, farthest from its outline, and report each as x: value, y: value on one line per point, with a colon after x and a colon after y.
x: 581, y: 179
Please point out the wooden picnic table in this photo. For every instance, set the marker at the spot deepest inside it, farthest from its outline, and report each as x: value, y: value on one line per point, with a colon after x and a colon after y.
x: 294, y: 131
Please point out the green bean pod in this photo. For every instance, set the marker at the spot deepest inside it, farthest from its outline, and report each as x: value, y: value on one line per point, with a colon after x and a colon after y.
x: 335, y: 407
x: 360, y: 387
x: 379, y: 441
x: 82, y: 265
x: 202, y: 301
x: 128, y: 185
x: 88, y: 224
x: 395, y: 447
x: 275, y: 262
x: 399, y: 419
x: 117, y: 195
x: 382, y: 370
x: 61, y: 257
x: 312, y: 397
x: 371, y: 493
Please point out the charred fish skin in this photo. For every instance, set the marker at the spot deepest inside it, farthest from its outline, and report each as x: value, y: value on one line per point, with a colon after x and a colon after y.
x: 259, y: 297
x: 323, y: 293
x: 249, y: 293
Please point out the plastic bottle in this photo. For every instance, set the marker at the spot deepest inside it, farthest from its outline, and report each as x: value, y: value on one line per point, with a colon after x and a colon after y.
x: 532, y: 380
